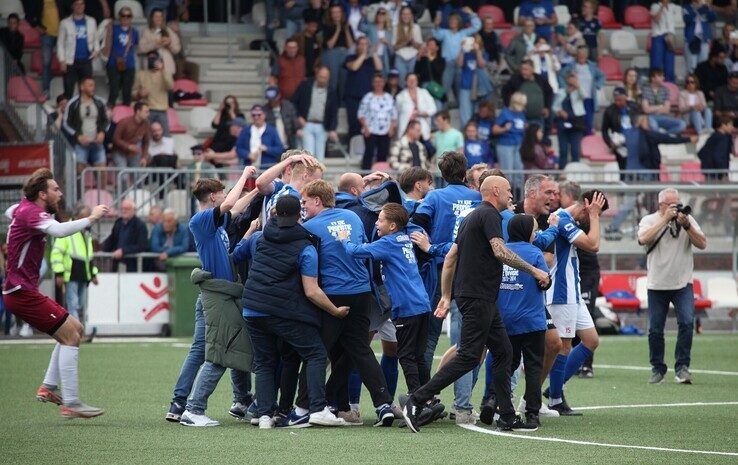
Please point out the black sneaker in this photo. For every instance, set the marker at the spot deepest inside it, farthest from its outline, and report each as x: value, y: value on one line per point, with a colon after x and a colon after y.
x: 487, y: 414
x: 175, y: 412
x: 564, y: 410
x: 410, y: 413
x: 533, y: 419
x: 517, y: 424
x: 431, y: 412
x: 586, y: 372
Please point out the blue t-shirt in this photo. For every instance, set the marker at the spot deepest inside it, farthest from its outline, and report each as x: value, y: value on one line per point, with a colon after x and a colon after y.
x: 589, y: 31
x: 506, y: 216
x: 468, y: 69
x: 565, y: 272
x: 443, y: 207
x: 246, y: 249
x: 339, y: 273
x: 521, y: 302
x: 399, y: 272
x: 535, y: 10
x: 476, y: 151
x: 411, y: 205
x: 484, y: 128
x: 118, y: 49
x: 211, y: 241
x: 515, y: 135
x: 81, y: 51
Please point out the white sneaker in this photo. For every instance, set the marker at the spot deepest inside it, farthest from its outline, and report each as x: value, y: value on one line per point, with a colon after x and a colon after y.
x: 254, y: 421
x: 26, y: 331
x: 266, y: 422
x: 547, y: 412
x: 326, y: 418
x: 190, y: 419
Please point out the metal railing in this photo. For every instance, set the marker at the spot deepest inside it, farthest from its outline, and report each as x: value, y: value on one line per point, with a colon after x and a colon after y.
x: 105, y: 261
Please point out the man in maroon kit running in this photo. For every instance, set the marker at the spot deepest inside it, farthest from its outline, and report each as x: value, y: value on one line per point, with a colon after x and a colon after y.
x: 32, y: 219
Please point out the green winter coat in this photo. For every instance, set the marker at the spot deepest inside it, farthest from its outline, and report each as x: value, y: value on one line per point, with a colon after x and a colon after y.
x: 227, y: 343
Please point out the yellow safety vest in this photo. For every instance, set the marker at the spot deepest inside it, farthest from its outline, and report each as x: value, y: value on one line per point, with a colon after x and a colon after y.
x: 78, y: 246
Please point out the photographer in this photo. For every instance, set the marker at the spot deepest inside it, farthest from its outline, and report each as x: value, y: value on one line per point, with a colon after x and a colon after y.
x: 669, y: 235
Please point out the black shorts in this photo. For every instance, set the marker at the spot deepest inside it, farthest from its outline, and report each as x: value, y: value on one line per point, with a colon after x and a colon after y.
x: 549, y: 321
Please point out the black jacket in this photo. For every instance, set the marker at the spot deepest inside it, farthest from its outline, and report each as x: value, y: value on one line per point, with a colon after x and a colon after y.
x: 73, y: 120
x: 649, y: 155
x: 715, y: 154
x: 132, y: 237
x: 303, y: 96
x: 516, y: 80
x: 611, y: 120
x: 13, y: 41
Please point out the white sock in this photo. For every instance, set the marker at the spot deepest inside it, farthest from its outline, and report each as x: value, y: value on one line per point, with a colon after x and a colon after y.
x: 556, y: 401
x: 68, y: 367
x: 51, y: 380
x: 301, y: 411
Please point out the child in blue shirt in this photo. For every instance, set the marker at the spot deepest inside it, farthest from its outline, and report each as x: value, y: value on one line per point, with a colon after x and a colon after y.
x: 410, y: 304
x: 476, y: 150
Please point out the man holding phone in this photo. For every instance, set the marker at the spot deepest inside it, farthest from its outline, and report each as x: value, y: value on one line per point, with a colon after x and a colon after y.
x: 153, y: 85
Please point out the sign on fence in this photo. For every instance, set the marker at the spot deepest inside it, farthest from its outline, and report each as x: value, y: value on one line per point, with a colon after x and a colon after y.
x: 137, y: 302
x: 19, y: 161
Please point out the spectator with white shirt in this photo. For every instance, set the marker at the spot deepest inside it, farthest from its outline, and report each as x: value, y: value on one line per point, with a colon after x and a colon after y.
x: 408, y: 40
x: 663, y: 29
x: 378, y: 118
x: 521, y: 46
x: 415, y: 103
x: 76, y: 46
x: 159, y: 144
x: 698, y: 19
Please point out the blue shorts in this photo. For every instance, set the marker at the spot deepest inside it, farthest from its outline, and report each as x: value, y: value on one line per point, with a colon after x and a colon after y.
x: 92, y: 154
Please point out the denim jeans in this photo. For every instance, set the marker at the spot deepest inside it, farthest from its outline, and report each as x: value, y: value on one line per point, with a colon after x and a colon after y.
x: 335, y: 60
x: 450, y: 77
x: 658, y: 307
x: 265, y: 334
x: 668, y: 123
x: 570, y: 141
x: 206, y: 382
x: 509, y: 159
x: 692, y: 59
x: 404, y: 67
x: 463, y: 386
x: 625, y: 208
x: 123, y: 161
x: 314, y: 137
x: 194, y: 359
x: 466, y: 106
x: 662, y: 58
x: 701, y: 121
x: 76, y: 298
x: 48, y: 45
x: 92, y: 154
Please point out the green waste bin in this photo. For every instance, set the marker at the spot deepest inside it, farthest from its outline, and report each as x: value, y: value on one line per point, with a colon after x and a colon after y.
x: 182, y: 295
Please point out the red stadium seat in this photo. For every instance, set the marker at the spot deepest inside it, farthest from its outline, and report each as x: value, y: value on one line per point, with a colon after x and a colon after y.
x: 507, y: 36
x: 691, y: 172
x: 24, y: 89
x: 496, y: 14
x: 664, y: 174
x: 596, y: 150
x: 175, y: 126
x: 638, y: 17
x: 611, y: 67
x: 31, y: 36
x: 188, y: 86
x: 607, y: 18
x: 700, y: 303
x: 37, y: 63
x: 121, y: 111
x: 619, y: 290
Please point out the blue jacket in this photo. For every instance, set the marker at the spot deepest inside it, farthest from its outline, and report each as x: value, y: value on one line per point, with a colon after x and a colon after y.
x: 451, y: 41
x: 270, y: 138
x: 598, y: 78
x: 690, y: 20
x: 180, y: 243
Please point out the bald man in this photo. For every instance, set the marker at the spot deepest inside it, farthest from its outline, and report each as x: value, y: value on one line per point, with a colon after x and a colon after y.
x: 350, y: 187
x: 473, y: 267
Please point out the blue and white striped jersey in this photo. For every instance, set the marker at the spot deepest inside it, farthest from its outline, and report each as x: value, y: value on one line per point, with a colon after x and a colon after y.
x: 565, y: 272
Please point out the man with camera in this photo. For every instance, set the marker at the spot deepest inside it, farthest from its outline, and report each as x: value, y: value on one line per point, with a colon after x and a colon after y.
x: 668, y: 236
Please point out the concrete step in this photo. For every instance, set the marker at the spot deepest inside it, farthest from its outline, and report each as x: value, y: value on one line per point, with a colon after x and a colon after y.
x: 243, y: 76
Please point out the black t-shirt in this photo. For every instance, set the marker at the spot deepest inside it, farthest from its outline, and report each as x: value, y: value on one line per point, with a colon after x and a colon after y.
x: 478, y: 271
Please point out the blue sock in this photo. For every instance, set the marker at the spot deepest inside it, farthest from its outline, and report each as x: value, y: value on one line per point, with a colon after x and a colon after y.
x: 389, y: 368
x: 354, y: 387
x: 574, y: 361
x: 556, y: 378
x: 489, y: 376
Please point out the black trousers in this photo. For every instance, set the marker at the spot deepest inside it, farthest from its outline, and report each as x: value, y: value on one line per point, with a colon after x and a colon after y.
x: 347, y: 342
x: 75, y: 72
x: 531, y: 346
x: 482, y: 326
x: 412, y: 339
x: 376, y: 148
x: 121, y: 82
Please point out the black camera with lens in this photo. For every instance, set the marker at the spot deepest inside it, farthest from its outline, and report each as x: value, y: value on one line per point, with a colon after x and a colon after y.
x: 686, y: 210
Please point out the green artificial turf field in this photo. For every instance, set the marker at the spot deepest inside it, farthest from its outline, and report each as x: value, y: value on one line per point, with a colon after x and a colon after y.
x: 133, y: 382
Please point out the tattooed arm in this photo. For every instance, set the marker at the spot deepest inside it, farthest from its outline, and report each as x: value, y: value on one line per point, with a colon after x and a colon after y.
x: 511, y: 259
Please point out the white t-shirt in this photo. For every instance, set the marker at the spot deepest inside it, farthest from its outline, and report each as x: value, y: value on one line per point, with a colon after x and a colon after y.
x: 671, y: 263
x: 164, y: 147
x: 666, y: 23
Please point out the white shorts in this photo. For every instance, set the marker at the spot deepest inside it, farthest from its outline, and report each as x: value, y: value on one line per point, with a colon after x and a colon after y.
x: 381, y: 324
x: 569, y: 318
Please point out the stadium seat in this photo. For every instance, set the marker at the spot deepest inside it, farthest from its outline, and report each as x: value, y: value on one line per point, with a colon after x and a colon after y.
x: 136, y: 9
x: 611, y: 67
x: 642, y: 291
x: 624, y: 43
x: 674, y: 153
x: 182, y: 146
x: 175, y: 126
x: 596, y: 150
x: 700, y: 302
x: 94, y: 197
x: 497, y: 15
x: 664, y: 173
x: 179, y: 201
x: 356, y: 146
x: 516, y: 12
x: 201, y: 119
x: 142, y: 200
x: 691, y: 172
x: 12, y: 6
x: 611, y: 172
x: 189, y: 86
x: 24, y: 89
x: 37, y: 63
x: 507, y: 36
x: 258, y: 14
x: 638, y: 17
x: 381, y: 166
x: 121, y: 111
x: 579, y: 172
x: 619, y: 290
x: 31, y: 36
x: 722, y: 292
x: 607, y: 18
x: 563, y: 14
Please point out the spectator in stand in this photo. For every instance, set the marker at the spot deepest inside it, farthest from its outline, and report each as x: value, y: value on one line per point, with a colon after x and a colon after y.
x: 698, y: 19
x: 289, y: 69
x: 574, y: 39
x: 726, y: 99
x: 317, y: 110
x: 545, y: 63
x: 561, y: 46
x: 168, y: 239
x: 131, y: 139
x: 56, y: 118
x: 129, y: 236
x: 227, y: 158
x: 532, y: 150
x: 361, y: 67
x: 154, y: 218
x: 521, y: 45
x: 408, y: 40
x: 474, y: 83
x: 98, y: 9
x: 337, y: 40
x: 159, y: 144
x: 657, y: 106
x: 76, y: 46
x: 44, y: 16
x: 314, y: 12
x: 542, y: 13
x: 379, y: 34
x: 415, y: 103
x: 631, y: 86
x: 476, y: 150
x: 590, y: 27
x: 378, y: 118
x: 508, y: 129
x: 258, y: 144
x: 120, y: 48
x: 430, y: 67
x: 354, y: 11
x: 292, y: 11
x: 202, y: 168
x: 726, y: 42
x: 392, y: 86
x: 86, y: 118
x: 160, y: 38
x: 712, y: 73
x: 590, y: 78
x: 571, y: 118
x: 726, y: 10
x: 619, y: 118
x: 409, y: 150
x: 643, y: 149
x: 224, y: 140
x: 663, y: 30
x: 537, y: 91
x: 715, y: 154
x: 12, y: 39
x: 484, y: 119
x: 447, y: 138
x: 693, y: 104
x: 281, y: 114
x: 491, y: 43
x: 153, y: 85
x: 309, y: 45
x: 451, y: 38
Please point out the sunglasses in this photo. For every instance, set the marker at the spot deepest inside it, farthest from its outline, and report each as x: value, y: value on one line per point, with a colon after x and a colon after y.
x: 256, y: 115
x: 88, y: 111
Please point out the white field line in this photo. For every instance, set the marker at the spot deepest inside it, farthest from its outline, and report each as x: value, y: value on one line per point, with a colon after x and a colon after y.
x: 637, y: 368
x: 681, y: 404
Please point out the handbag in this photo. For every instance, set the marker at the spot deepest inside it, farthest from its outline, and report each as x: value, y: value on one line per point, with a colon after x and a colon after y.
x: 121, y: 62
x: 695, y: 45
x: 436, y: 90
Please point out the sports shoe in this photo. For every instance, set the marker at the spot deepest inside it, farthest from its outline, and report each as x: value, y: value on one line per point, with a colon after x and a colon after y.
x: 487, y: 413
x: 683, y: 376
x: 586, y: 372
x: 293, y: 420
x: 656, y: 378
x: 44, y: 394
x: 410, y: 414
x: 533, y: 419
x: 80, y: 410
x: 266, y: 422
x: 26, y: 330
x: 325, y: 418
x: 239, y: 411
x: 175, y: 412
x: 251, y: 411
x: 466, y: 417
x: 351, y: 418
x: 431, y: 412
x: 517, y: 424
x: 385, y: 416
x: 544, y: 411
x: 192, y: 419
x: 564, y: 410
x: 254, y: 421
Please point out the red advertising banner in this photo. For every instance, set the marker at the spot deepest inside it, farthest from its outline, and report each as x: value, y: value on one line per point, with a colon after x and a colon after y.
x: 19, y: 161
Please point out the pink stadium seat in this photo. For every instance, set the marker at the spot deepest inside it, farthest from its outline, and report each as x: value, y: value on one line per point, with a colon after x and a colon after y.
x: 496, y: 14
x: 31, y: 36
x: 596, y: 150
x: 175, y: 126
x: 25, y: 92
x: 121, y: 111
x: 189, y: 86
x: 381, y: 166
x: 691, y: 172
x: 507, y: 36
x: 638, y: 17
x: 700, y: 303
x: 611, y: 67
x: 619, y: 290
x: 607, y: 18
x: 37, y: 63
